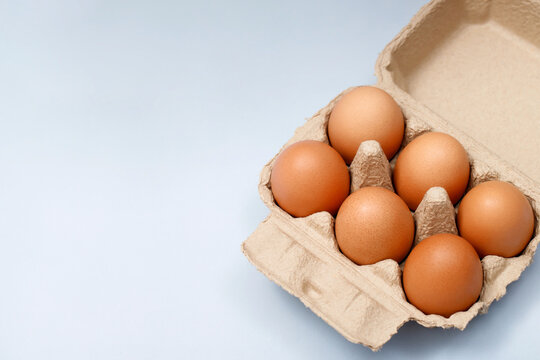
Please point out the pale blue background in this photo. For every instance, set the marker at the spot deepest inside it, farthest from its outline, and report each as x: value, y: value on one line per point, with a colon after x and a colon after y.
x: 131, y: 139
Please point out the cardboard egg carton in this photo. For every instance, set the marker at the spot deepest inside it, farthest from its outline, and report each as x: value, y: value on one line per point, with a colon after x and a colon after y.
x: 469, y: 68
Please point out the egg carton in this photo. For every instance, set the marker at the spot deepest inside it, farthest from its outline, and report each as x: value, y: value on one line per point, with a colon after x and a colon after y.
x: 468, y: 68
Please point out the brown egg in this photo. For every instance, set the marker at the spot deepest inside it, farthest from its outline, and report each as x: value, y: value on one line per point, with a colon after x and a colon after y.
x: 496, y: 218
x: 365, y: 113
x: 443, y: 275
x: 432, y: 159
x: 374, y: 224
x: 308, y: 177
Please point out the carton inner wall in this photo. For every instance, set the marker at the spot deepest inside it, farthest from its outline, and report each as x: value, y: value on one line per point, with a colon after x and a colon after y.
x: 468, y: 74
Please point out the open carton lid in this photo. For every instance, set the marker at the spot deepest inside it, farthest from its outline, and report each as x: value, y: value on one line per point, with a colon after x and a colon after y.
x: 474, y: 65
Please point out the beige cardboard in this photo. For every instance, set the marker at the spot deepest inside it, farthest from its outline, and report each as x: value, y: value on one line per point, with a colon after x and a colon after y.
x: 370, y: 167
x: 469, y: 68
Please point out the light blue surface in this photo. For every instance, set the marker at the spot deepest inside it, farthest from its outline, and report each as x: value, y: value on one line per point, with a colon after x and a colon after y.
x: 131, y: 139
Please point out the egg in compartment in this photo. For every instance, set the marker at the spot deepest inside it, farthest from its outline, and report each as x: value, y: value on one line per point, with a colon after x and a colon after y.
x: 432, y: 159
x: 374, y: 224
x: 365, y: 113
x: 309, y: 176
x: 496, y: 218
x: 443, y: 275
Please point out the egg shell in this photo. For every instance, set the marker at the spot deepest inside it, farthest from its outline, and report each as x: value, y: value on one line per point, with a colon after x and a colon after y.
x: 496, y: 218
x: 365, y: 113
x: 443, y: 275
x: 432, y: 159
x: 308, y: 177
x: 374, y: 224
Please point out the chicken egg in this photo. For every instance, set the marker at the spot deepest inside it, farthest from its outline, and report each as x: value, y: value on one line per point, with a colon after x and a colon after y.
x: 443, y: 275
x: 374, y: 224
x: 309, y: 176
x: 496, y: 218
x: 432, y: 159
x: 365, y: 113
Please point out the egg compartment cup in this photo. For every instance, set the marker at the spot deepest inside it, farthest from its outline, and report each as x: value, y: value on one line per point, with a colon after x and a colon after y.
x: 455, y: 68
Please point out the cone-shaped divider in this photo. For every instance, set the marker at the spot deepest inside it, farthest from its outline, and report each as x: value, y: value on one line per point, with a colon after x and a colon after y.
x: 434, y: 215
x: 370, y: 167
x: 481, y: 172
x: 414, y: 128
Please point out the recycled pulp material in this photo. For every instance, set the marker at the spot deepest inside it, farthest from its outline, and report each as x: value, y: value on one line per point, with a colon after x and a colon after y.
x: 469, y: 68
